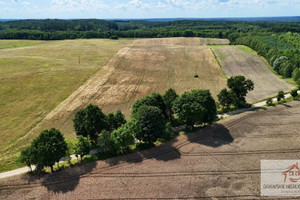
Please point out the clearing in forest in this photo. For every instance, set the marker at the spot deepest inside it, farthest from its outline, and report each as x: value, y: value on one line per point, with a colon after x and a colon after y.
x: 241, y: 60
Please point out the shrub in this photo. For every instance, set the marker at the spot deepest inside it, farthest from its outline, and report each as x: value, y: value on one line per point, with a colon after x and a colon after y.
x: 269, y: 102
x: 27, y: 157
x: 114, y: 37
x: 294, y: 94
x: 280, y: 96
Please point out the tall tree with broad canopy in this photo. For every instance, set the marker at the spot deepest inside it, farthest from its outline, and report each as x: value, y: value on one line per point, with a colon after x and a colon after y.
x: 151, y: 123
x: 49, y: 147
x: 155, y: 99
x: 123, y: 137
x: 240, y: 86
x: 196, y: 106
x: 89, y: 122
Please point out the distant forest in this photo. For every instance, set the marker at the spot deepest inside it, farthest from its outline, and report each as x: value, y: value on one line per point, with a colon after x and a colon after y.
x: 278, y: 42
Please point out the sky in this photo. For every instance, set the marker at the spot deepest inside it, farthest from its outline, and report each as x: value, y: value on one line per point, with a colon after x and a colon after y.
x: 131, y: 9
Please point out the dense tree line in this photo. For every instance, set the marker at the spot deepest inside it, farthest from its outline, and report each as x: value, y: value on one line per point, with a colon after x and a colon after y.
x: 278, y: 42
x: 152, y: 118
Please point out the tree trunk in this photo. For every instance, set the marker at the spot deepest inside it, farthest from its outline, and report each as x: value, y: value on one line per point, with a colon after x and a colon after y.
x: 51, y: 167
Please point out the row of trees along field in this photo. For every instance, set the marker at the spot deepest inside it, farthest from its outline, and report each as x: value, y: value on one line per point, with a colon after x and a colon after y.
x: 278, y: 42
x: 151, y: 119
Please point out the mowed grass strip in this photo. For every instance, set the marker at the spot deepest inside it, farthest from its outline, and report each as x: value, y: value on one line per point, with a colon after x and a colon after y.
x: 6, y: 44
x: 241, y: 60
x: 35, y: 79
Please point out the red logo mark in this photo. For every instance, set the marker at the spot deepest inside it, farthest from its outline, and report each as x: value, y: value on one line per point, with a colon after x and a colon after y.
x: 292, y: 174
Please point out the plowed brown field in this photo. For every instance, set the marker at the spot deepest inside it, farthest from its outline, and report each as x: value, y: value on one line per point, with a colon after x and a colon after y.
x: 220, y: 162
x: 240, y: 60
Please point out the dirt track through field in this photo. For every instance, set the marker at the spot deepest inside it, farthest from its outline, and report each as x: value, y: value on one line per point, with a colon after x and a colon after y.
x: 239, y: 60
x: 148, y: 65
x: 221, y: 161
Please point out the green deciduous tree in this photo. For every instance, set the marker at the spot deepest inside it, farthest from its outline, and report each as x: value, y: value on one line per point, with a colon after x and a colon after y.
x: 104, y: 140
x: 280, y: 95
x: 269, y: 101
x: 296, y: 74
x: 27, y: 157
x: 286, y: 69
x: 196, y: 106
x: 82, y: 147
x: 114, y: 121
x: 294, y: 93
x: 277, y: 63
x: 89, y: 122
x: 155, y: 99
x: 169, y: 97
x: 123, y: 137
x: 151, y: 123
x: 226, y: 98
x: 49, y: 147
x: 240, y: 86
x: 79, y: 123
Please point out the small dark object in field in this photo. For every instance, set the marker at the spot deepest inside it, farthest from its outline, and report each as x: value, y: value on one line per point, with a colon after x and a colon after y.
x: 114, y: 37
x: 196, y: 76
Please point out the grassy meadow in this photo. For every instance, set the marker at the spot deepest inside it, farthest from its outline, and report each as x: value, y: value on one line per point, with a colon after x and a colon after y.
x: 36, y: 76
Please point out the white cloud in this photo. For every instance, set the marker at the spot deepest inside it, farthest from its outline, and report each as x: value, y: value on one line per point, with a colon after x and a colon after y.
x: 76, y: 5
x: 149, y: 8
x: 134, y: 4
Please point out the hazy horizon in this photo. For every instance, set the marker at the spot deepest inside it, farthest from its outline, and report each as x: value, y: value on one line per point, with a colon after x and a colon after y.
x: 146, y: 9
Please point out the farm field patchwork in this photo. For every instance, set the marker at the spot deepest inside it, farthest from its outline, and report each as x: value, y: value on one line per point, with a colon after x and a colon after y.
x: 36, y: 78
x: 146, y: 66
x: 241, y: 60
x: 221, y: 161
x: 43, y: 85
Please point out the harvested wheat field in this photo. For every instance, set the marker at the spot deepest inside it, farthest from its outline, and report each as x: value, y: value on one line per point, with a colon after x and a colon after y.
x: 241, y: 60
x: 146, y: 66
x: 36, y: 79
x: 36, y: 76
x: 220, y: 162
